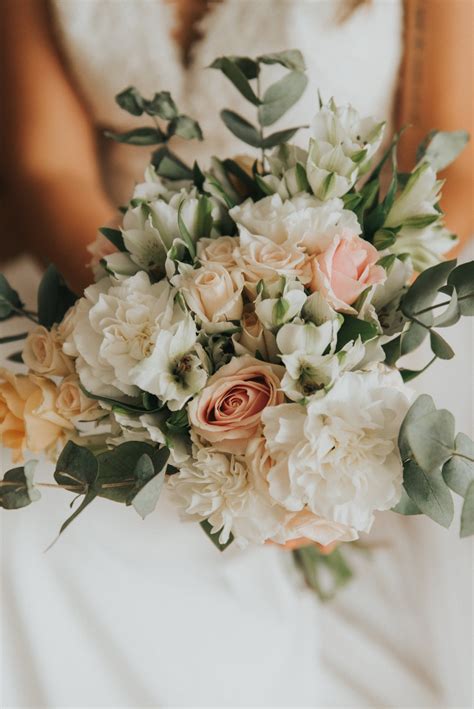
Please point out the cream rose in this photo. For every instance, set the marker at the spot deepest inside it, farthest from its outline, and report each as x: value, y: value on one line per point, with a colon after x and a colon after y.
x: 344, y: 269
x: 28, y: 413
x: 72, y: 404
x: 227, y: 413
x: 43, y: 354
x: 222, y: 251
x: 212, y: 293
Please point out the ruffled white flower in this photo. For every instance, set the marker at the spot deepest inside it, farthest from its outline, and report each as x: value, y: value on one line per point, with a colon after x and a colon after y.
x: 279, y: 302
x: 114, y: 327
x: 217, y: 487
x: 342, y: 143
x: 267, y: 216
x: 339, y: 456
x: 212, y: 293
x: 173, y: 371
x: 314, y: 228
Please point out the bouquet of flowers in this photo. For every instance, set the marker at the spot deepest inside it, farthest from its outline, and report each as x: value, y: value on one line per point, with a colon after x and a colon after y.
x: 242, y: 339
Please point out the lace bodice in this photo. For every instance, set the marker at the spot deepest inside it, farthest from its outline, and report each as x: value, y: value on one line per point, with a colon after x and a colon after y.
x: 110, y: 44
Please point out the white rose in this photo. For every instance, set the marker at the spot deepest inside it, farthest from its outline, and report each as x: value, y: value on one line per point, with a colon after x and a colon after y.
x: 43, y: 354
x: 115, y: 327
x: 222, y: 250
x: 266, y: 217
x: 213, y: 294
x: 260, y: 258
x: 339, y: 456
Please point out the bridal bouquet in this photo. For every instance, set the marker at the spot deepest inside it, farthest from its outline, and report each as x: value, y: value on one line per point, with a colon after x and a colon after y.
x: 242, y: 342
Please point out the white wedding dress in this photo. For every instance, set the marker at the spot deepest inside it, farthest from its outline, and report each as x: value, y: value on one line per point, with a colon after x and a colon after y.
x: 126, y: 613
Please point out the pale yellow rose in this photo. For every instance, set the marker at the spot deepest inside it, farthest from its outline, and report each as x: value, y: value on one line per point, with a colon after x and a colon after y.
x: 28, y: 415
x: 72, y: 404
x: 222, y: 250
x: 43, y: 354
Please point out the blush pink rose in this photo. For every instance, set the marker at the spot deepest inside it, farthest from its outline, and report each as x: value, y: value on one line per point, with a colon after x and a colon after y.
x: 227, y: 413
x: 344, y: 270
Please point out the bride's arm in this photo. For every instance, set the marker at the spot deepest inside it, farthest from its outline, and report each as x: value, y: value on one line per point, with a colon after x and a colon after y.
x: 436, y: 93
x: 49, y: 169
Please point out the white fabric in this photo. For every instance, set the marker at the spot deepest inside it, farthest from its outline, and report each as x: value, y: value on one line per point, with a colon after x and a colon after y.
x: 125, y: 613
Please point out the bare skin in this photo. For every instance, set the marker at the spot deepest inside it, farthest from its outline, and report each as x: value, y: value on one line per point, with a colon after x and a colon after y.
x: 50, y: 171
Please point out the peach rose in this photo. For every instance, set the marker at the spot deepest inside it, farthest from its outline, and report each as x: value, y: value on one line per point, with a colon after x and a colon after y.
x: 28, y: 415
x: 344, y: 269
x: 73, y: 404
x: 221, y: 250
x: 228, y: 410
x: 43, y: 354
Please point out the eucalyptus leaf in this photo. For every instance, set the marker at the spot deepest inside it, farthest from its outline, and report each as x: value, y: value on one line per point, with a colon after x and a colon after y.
x: 467, y: 514
x: 352, y: 328
x: 241, y: 128
x: 431, y: 439
x: 90, y: 495
x: 185, y: 127
x: 281, y: 96
x: 451, y: 315
x: 406, y: 506
x: 412, y: 338
x: 147, y: 497
x: 131, y: 101
x: 9, y: 299
x: 290, y: 58
x: 440, y: 347
x: 429, y: 492
x: 422, y: 405
x: 383, y: 239
x: 13, y: 338
x: 76, y: 466
x: 281, y: 136
x: 54, y: 298
x: 231, y: 69
x: 17, y: 489
x: 458, y: 471
x: 116, y: 478
x: 169, y: 166
x: 162, y: 105
x: 423, y: 291
x: 214, y: 536
x: 138, y: 136
x: 462, y: 278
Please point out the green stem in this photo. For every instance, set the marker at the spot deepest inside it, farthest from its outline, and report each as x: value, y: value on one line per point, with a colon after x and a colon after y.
x: 260, y: 125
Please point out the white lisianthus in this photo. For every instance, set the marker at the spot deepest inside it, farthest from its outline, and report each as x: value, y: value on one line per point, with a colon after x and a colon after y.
x: 267, y: 216
x: 114, y: 327
x: 155, y: 187
x: 342, y: 142
x: 288, y: 176
x: 142, y: 239
x: 415, y: 205
x: 261, y: 259
x: 279, y: 302
x: 339, y: 456
x: 217, y: 487
x: 212, y: 293
x: 222, y: 250
x: 307, y: 351
x: 151, y: 428
x: 173, y: 371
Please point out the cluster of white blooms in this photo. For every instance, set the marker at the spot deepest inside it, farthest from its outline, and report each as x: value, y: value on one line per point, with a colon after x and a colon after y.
x: 260, y: 346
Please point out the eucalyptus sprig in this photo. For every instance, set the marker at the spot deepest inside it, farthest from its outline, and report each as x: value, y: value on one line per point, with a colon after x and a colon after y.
x: 245, y: 74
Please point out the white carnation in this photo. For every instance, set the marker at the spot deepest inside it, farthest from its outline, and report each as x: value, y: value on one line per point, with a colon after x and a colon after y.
x: 339, y: 456
x: 113, y: 327
x: 267, y: 216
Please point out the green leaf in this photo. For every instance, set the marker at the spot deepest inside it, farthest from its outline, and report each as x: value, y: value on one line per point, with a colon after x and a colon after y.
x: 290, y: 58
x: 440, y: 347
x: 203, y: 222
x: 17, y: 489
x: 136, y: 406
x: 9, y: 299
x: 169, y: 166
x: 421, y: 221
x: 248, y: 66
x: 147, y: 497
x: 467, y: 514
x: 383, y: 238
x: 280, y: 310
x: 452, y: 313
x: 214, y: 536
x: 138, y: 136
x: 281, y: 96
x: 352, y: 200
x: 429, y: 492
x: 16, y: 357
x: 177, y: 422
x: 116, y: 476
x: 54, y: 298
x: 406, y: 506
x: 281, y: 136
x: 241, y: 128
x: 412, y: 338
x: 429, y: 435
x: 185, y: 127
x: 422, y: 405
x: 441, y: 148
x: 150, y: 475
x: 458, y: 471
x: 392, y: 351
x: 162, y: 105
x: 183, y: 230
x: 325, y: 574
x: 114, y: 236
x: 409, y: 374
x: 13, y: 338
x: 462, y: 278
x: 131, y: 101
x: 236, y: 76
x: 76, y: 466
x: 352, y: 328
x: 301, y: 178
x: 423, y: 291
x: 90, y: 495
